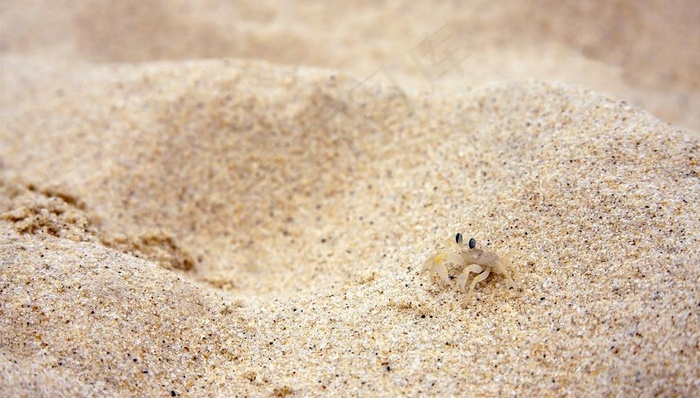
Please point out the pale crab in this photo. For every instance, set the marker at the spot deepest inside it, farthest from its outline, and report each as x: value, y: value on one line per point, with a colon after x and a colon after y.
x: 474, y: 259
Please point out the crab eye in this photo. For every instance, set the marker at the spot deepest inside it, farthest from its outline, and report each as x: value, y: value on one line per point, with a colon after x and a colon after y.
x: 458, y: 238
x: 472, y: 243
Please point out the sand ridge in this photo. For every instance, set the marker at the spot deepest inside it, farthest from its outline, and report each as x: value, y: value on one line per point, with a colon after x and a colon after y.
x: 574, y: 195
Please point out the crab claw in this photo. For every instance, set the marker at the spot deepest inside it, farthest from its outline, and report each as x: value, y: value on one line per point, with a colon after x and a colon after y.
x: 436, y: 264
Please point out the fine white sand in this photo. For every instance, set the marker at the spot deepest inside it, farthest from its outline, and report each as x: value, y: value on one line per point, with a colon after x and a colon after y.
x: 236, y: 200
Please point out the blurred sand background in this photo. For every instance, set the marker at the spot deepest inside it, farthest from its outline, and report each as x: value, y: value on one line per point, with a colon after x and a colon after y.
x: 235, y: 198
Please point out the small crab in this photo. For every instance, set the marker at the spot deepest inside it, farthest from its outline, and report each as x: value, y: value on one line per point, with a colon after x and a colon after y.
x: 474, y: 259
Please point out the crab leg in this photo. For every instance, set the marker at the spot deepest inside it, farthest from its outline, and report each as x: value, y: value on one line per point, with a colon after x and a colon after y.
x: 462, y: 280
x: 476, y: 280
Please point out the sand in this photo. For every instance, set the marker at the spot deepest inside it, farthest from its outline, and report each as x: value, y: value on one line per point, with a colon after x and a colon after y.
x: 235, y: 199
